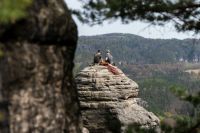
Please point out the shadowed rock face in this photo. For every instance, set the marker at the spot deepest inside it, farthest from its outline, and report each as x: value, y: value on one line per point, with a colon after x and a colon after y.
x: 108, y: 101
x: 36, y: 70
x: 47, y: 22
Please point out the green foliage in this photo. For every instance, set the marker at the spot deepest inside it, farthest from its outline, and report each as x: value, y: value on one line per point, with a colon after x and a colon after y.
x: 155, y: 66
x: 179, y: 91
x: 184, y: 14
x: 152, y: 63
x: 177, y: 123
x: 185, y: 124
x: 155, y: 12
x: 11, y: 10
x: 155, y: 91
x: 135, y: 49
x: 184, y: 95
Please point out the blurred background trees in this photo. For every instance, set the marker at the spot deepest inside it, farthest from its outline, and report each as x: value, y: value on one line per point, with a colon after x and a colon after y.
x: 11, y: 10
x: 183, y: 13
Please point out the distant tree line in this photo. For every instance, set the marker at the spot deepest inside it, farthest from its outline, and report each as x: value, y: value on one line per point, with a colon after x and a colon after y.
x: 132, y: 49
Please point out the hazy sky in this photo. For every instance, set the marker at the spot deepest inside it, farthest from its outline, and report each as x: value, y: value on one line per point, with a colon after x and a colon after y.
x: 138, y: 28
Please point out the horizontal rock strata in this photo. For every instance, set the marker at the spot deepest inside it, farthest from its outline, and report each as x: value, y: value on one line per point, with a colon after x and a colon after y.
x: 108, y: 102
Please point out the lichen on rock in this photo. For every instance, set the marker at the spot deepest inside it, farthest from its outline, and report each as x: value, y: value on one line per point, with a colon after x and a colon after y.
x: 108, y: 102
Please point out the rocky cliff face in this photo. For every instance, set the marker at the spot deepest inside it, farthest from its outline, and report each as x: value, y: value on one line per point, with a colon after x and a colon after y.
x: 36, y: 70
x: 108, y: 102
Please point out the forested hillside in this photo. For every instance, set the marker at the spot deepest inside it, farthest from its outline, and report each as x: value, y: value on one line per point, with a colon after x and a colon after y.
x: 156, y: 64
x: 129, y: 48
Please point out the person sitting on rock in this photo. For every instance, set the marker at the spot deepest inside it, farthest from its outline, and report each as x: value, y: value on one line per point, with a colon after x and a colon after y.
x: 97, y: 57
x: 109, y: 57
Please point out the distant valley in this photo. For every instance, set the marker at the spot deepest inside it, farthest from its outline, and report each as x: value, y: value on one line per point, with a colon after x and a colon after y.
x: 128, y: 49
x: 156, y: 64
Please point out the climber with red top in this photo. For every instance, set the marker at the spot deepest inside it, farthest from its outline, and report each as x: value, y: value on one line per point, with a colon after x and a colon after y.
x: 108, y: 63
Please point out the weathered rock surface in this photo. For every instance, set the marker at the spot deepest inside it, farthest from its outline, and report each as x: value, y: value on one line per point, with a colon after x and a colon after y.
x: 36, y: 70
x: 108, y: 102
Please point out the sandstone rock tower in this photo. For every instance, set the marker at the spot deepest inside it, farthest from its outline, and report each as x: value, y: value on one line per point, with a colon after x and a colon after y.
x: 108, y: 102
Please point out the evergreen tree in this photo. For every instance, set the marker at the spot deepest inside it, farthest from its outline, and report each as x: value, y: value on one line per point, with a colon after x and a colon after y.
x: 183, y: 13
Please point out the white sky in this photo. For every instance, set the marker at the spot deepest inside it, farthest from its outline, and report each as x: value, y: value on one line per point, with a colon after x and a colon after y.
x: 137, y: 27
